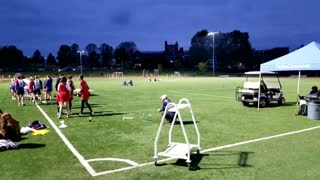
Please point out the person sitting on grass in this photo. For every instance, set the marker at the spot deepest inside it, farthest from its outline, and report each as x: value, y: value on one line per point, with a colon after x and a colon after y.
x: 169, y: 115
x: 130, y: 83
x: 10, y: 135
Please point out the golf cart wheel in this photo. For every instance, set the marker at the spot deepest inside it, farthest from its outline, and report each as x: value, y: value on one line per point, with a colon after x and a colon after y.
x: 281, y: 101
x: 263, y: 103
x: 245, y: 103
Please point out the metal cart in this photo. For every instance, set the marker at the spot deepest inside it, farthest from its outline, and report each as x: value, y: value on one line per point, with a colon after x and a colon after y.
x: 177, y: 150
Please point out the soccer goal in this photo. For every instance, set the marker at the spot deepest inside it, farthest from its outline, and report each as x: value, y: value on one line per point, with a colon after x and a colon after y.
x: 156, y: 72
x: 117, y: 75
x: 148, y: 73
x: 176, y: 74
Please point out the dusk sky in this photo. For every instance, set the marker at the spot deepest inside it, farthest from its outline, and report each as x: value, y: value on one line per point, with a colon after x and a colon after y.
x: 45, y: 25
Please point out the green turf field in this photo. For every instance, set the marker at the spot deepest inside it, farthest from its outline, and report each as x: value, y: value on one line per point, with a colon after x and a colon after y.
x: 221, y: 121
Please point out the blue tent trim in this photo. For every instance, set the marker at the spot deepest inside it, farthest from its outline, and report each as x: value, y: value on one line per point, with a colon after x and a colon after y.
x: 303, y: 59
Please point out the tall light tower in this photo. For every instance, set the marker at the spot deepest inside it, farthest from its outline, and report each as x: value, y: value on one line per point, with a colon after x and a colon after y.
x: 213, y: 61
x: 80, y: 52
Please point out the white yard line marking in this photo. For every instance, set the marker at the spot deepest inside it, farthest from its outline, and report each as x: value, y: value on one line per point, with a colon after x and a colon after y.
x: 87, y: 166
x: 212, y: 149
x: 207, y: 95
x: 85, y: 163
x: 114, y: 159
x: 260, y: 139
x: 131, y: 167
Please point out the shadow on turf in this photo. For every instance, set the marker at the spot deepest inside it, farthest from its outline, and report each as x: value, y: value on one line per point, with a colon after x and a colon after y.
x: 77, y: 106
x: 31, y: 145
x: 103, y: 113
x: 216, y: 160
x: 185, y: 122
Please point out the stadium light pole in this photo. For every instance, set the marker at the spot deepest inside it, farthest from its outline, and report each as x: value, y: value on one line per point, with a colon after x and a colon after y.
x: 80, y: 52
x: 213, y: 61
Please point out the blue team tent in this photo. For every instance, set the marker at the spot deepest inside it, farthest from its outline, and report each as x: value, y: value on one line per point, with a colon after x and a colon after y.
x: 304, y: 59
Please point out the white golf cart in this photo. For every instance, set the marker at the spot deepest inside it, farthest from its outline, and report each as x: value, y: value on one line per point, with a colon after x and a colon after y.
x: 265, y: 85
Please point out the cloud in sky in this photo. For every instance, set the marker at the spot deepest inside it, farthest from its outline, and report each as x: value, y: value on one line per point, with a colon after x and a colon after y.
x: 45, y: 25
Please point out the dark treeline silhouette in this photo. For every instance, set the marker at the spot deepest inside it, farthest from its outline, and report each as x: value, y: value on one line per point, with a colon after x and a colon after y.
x: 232, y: 50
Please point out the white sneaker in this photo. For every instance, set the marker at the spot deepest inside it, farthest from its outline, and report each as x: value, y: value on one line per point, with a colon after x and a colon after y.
x: 80, y: 114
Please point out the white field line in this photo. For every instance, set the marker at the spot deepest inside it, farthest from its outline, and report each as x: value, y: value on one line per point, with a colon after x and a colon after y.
x: 136, y: 165
x: 85, y: 164
x: 212, y: 149
x: 207, y: 95
x: 260, y: 139
x: 202, y: 89
x: 114, y: 159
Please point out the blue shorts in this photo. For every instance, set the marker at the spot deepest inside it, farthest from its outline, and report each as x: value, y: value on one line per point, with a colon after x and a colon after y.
x: 37, y: 91
x: 20, y: 91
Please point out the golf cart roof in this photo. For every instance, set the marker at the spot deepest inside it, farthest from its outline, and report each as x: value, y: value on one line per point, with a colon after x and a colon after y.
x: 260, y: 72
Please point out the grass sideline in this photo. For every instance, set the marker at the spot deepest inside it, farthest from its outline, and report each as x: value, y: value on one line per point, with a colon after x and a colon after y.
x: 221, y: 119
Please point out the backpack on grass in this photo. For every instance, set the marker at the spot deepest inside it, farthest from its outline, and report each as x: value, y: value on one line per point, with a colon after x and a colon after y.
x: 37, y: 125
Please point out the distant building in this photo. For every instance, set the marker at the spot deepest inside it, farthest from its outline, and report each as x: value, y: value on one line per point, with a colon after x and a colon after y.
x: 151, y: 59
x: 262, y: 56
x: 172, y: 56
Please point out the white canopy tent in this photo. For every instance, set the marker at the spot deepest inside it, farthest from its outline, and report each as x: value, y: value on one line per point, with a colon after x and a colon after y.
x: 303, y: 59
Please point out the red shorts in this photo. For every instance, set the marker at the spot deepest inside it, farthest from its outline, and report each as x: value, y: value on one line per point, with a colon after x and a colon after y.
x: 85, y: 96
x: 64, y: 97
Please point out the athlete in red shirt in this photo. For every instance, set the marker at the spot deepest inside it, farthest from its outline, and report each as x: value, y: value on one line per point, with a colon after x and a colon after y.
x: 85, y: 94
x: 63, y: 96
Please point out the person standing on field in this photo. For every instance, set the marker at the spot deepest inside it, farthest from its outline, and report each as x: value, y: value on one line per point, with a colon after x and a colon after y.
x: 31, y: 88
x: 37, y: 89
x: 84, y: 93
x: 71, y: 88
x: 63, y: 95
x: 19, y: 84
x: 48, y: 88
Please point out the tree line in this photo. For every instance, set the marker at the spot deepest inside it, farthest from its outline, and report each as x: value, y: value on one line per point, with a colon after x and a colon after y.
x: 232, y: 50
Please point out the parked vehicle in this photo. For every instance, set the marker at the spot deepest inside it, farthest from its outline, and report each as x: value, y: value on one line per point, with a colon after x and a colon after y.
x: 262, y: 88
